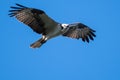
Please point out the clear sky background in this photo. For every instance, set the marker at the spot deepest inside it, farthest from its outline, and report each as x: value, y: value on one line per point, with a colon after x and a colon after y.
x: 62, y: 58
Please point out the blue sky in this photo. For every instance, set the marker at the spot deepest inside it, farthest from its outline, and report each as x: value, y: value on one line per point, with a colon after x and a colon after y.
x: 62, y: 58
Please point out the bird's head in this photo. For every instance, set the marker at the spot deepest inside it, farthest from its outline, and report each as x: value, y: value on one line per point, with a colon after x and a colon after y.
x: 64, y: 25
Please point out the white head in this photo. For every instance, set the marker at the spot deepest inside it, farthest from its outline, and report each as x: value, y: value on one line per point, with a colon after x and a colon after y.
x: 64, y: 25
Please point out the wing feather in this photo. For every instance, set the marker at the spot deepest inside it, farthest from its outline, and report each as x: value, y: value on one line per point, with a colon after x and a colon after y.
x: 79, y: 30
x: 34, y: 18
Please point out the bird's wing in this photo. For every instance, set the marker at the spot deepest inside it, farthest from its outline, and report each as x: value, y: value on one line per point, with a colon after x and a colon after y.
x: 34, y: 18
x: 79, y: 30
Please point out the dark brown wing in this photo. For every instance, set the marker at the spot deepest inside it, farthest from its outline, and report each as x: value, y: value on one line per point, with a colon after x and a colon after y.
x: 34, y: 18
x: 79, y: 30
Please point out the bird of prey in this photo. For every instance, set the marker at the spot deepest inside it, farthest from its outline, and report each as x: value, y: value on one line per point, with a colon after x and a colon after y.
x: 42, y: 24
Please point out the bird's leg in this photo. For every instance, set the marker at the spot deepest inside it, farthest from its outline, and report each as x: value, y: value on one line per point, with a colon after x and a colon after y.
x: 39, y: 42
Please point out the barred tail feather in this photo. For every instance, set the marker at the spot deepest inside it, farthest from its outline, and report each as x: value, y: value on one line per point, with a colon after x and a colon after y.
x: 38, y: 43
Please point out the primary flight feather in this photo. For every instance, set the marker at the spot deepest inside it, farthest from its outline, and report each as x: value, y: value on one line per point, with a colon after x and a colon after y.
x: 41, y: 23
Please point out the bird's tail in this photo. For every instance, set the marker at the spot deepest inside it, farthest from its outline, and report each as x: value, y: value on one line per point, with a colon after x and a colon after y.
x: 38, y: 43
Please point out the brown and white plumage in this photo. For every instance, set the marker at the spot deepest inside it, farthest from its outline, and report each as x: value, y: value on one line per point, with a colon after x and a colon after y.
x: 41, y: 23
x: 34, y: 18
x: 79, y: 30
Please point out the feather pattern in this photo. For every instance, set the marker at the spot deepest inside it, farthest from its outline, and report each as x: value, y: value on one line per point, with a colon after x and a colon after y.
x: 41, y: 23
x: 79, y: 30
x: 34, y: 18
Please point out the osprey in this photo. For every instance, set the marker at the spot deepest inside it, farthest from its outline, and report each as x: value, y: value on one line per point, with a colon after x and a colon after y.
x: 42, y: 24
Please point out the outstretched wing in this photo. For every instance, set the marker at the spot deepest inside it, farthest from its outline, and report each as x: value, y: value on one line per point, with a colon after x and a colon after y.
x: 79, y: 30
x: 34, y: 18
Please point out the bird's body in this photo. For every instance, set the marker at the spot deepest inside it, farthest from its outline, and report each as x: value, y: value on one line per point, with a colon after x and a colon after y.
x: 41, y: 23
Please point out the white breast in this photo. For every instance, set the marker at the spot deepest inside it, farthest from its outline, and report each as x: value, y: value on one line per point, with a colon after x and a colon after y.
x: 56, y: 31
